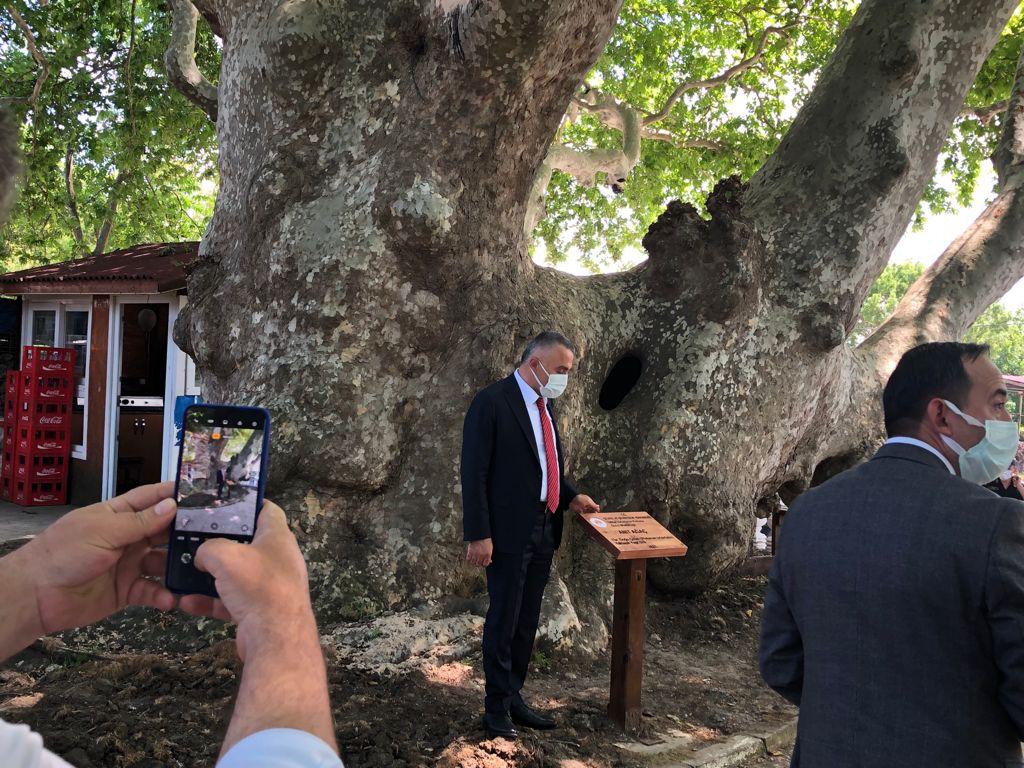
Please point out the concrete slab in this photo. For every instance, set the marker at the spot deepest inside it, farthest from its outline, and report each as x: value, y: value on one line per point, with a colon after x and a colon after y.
x: 17, y: 521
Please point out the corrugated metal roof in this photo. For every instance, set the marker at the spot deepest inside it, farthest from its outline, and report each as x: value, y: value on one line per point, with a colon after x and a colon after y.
x: 146, y: 268
x: 1015, y: 383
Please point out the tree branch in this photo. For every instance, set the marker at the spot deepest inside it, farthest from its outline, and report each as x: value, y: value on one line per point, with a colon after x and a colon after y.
x: 208, y: 11
x: 10, y: 163
x: 722, y: 78
x: 33, y: 49
x: 659, y: 134
x: 103, y: 235
x: 69, y: 188
x: 585, y: 164
x: 985, y: 115
x: 180, y: 59
x: 980, y: 266
x: 839, y: 191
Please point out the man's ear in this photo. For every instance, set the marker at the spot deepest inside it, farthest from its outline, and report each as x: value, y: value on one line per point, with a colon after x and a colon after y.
x: 937, y: 414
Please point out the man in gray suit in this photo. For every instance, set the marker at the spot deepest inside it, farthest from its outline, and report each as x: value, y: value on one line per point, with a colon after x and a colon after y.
x: 894, y: 616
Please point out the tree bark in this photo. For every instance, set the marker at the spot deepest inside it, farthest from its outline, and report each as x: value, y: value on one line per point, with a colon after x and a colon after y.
x: 10, y: 162
x: 366, y: 272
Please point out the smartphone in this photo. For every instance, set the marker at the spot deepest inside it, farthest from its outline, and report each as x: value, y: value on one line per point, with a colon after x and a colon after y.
x: 222, y: 467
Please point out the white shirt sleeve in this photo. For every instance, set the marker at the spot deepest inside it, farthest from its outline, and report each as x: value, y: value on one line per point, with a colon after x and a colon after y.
x: 280, y: 748
x: 21, y: 747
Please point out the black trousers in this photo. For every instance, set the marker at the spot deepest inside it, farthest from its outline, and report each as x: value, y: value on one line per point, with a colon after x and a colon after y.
x: 515, y: 583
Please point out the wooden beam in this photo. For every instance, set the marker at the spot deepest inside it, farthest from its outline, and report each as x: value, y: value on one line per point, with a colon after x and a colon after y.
x: 88, y: 480
x: 624, y: 706
x: 72, y: 286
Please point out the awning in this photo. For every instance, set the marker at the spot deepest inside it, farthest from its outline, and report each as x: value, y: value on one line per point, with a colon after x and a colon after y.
x: 147, y: 268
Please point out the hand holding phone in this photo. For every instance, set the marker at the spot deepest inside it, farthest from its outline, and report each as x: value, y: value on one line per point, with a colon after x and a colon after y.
x: 263, y: 587
x: 219, y: 487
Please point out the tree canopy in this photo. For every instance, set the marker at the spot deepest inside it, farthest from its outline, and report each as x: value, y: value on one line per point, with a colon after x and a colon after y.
x: 744, y: 71
x: 113, y: 156
x: 715, y: 84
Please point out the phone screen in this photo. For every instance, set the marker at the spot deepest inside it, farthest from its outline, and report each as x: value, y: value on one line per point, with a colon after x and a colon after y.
x: 219, y: 477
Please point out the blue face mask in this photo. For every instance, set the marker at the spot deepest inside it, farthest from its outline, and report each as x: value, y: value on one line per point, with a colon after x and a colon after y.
x: 985, y: 461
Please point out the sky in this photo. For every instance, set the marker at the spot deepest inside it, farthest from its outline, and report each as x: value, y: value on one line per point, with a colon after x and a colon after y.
x: 924, y: 246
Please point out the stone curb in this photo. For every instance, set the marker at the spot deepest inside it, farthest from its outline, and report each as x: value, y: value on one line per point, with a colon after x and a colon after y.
x: 735, y: 750
x: 678, y: 753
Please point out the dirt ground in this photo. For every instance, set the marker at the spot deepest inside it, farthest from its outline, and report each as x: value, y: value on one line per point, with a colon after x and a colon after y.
x: 145, y: 690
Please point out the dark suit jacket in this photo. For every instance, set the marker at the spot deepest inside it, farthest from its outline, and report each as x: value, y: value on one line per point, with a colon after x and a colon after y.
x: 894, y: 618
x: 501, y: 470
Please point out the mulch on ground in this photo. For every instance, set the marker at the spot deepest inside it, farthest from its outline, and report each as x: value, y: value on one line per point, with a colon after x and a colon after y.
x: 143, y: 690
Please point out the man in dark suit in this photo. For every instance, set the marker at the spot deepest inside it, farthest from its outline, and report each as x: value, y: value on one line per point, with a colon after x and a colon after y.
x: 514, y: 493
x: 894, y: 616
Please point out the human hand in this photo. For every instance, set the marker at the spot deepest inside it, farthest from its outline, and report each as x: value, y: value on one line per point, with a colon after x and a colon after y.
x: 480, y: 552
x: 95, y: 560
x: 583, y: 503
x: 263, y: 586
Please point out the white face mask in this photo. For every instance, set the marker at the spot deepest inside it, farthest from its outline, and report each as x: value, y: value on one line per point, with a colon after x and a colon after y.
x: 984, y: 462
x: 557, y: 382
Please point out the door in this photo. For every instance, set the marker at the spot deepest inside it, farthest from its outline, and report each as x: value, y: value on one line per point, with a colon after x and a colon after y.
x: 143, y: 330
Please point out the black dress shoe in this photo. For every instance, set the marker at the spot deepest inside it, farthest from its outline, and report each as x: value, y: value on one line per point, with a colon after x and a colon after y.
x: 499, y: 725
x: 529, y: 718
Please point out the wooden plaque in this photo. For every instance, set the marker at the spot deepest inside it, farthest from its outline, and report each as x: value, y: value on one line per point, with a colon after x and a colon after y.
x: 631, y: 535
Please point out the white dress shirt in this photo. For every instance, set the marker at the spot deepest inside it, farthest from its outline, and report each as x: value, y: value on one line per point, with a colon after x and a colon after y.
x: 20, y: 747
x: 921, y: 444
x: 530, y: 397
x: 281, y: 748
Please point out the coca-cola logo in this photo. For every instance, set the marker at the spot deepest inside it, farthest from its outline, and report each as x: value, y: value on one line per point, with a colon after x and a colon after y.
x: 56, y: 367
x: 48, y: 446
x: 45, y: 497
x: 51, y: 420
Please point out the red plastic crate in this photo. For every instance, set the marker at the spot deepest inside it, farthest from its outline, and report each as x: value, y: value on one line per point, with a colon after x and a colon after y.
x: 40, y: 493
x: 45, y: 414
x: 39, y: 440
x: 48, y: 360
x: 12, y: 384
x: 11, y: 398
x: 48, y: 386
x: 5, y: 488
x: 40, y: 467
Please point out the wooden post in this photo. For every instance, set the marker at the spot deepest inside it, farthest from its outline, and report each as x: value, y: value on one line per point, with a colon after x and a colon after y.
x: 624, y: 705
x: 631, y: 538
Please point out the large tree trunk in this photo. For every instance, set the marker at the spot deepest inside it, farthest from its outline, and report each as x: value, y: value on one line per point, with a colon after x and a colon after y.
x: 366, y: 272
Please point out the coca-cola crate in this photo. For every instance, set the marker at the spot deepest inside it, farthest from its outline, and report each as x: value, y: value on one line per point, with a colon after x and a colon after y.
x: 11, y: 399
x: 48, y: 360
x: 47, y: 414
x: 40, y: 440
x: 39, y: 493
x: 46, y: 386
x: 39, y: 467
x: 5, y: 488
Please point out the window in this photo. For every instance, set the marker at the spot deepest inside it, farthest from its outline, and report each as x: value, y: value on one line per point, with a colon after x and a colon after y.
x: 65, y: 324
x: 44, y: 327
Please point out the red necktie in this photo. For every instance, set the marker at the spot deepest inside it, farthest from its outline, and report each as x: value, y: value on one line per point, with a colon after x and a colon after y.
x: 550, y: 455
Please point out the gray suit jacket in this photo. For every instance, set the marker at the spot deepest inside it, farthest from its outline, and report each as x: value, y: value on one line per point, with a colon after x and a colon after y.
x: 894, y: 619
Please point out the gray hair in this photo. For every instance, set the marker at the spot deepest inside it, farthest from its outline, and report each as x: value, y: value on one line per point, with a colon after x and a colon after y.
x: 544, y: 340
x: 10, y: 163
